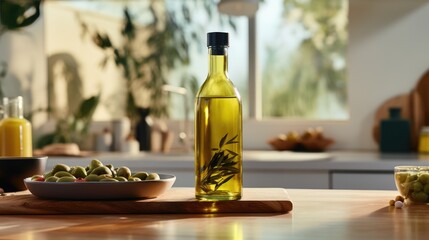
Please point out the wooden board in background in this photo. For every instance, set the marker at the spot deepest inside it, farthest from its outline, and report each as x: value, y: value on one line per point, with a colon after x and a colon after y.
x: 176, y: 200
x: 422, y: 89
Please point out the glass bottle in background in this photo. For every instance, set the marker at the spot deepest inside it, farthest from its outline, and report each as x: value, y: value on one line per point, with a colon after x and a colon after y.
x: 15, y: 131
x: 3, y: 105
x: 424, y: 140
x: 218, y: 129
x: 3, y: 114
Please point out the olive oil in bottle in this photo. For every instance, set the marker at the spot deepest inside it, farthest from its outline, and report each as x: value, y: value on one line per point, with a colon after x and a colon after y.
x: 218, y: 129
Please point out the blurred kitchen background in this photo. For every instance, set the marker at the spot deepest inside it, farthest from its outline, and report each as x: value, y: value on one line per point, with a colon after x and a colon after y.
x: 321, y: 64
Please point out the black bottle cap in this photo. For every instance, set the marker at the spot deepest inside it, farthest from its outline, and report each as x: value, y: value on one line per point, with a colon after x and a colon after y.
x: 217, y: 39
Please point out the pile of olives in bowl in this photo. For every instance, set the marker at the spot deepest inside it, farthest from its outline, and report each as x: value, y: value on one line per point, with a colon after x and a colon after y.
x: 96, y: 171
x: 412, y: 183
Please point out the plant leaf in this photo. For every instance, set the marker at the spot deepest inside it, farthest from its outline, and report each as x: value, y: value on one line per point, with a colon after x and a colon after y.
x: 232, y: 152
x: 223, y: 181
x: 229, y: 170
x: 229, y: 164
x: 216, y: 159
x: 232, y: 140
x: 222, y: 141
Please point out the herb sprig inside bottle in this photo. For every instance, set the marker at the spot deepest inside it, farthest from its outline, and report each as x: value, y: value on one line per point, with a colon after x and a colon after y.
x: 221, y: 167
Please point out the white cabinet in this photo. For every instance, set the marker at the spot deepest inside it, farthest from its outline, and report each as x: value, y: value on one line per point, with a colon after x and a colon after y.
x: 301, y: 179
x: 286, y: 179
x: 363, y: 180
x: 262, y: 178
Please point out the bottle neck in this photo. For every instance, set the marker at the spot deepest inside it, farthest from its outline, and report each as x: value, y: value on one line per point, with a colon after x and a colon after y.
x: 14, y: 108
x: 218, y: 60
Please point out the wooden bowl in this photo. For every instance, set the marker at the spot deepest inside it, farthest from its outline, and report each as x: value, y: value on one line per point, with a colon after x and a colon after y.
x: 13, y: 171
x: 280, y: 144
x: 317, y: 144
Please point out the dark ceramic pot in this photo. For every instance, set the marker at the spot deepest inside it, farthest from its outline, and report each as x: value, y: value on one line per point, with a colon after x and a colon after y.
x: 13, y: 171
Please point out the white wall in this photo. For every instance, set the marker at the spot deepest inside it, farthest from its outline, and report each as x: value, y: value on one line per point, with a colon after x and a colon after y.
x: 24, y: 52
x: 64, y: 36
x: 388, y: 52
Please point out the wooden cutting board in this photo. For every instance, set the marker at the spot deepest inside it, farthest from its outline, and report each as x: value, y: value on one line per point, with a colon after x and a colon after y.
x: 176, y: 200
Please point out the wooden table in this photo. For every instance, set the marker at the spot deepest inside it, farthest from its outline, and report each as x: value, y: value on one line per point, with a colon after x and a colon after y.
x: 317, y: 214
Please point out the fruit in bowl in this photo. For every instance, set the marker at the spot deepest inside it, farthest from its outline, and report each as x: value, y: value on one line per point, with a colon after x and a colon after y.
x: 312, y: 140
x: 412, y: 183
x: 98, y: 181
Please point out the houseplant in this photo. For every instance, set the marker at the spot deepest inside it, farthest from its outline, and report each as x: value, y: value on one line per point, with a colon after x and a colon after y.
x: 146, y: 64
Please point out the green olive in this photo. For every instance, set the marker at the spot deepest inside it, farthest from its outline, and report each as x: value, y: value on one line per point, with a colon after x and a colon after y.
x: 95, y: 163
x: 52, y: 179
x: 102, y: 170
x: 60, y: 167
x: 110, y: 166
x: 67, y: 179
x: 423, y: 178
x: 79, y: 172
x: 417, y: 187
x: 411, y: 177
x: 61, y: 174
x: 141, y: 175
x: 124, y: 172
x: 101, y: 177
x: 72, y: 169
x: 419, y: 197
x: 153, y: 176
x: 121, y: 179
x: 134, y: 179
x: 92, y: 178
x: 47, y: 174
x: 109, y: 180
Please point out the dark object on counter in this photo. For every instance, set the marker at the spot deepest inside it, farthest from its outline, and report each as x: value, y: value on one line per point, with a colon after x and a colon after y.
x: 395, y: 133
x: 143, y: 130
x: 13, y: 171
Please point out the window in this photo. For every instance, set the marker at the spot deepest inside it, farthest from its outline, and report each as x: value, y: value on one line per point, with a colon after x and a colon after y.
x: 300, y: 53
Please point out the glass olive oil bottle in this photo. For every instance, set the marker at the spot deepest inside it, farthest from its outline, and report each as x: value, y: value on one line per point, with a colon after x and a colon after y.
x: 218, y: 129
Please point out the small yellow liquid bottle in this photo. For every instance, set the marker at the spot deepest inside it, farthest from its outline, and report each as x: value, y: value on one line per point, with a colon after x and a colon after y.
x: 218, y: 129
x: 15, y: 131
x: 424, y: 140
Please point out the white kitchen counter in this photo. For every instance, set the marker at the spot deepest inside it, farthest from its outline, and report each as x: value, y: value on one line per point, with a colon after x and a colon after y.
x: 336, y: 169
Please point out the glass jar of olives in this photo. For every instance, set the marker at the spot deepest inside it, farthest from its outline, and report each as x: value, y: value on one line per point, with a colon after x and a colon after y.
x: 412, y: 183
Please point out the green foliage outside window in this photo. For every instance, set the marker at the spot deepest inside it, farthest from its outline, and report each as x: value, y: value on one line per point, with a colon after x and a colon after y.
x: 314, y: 78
